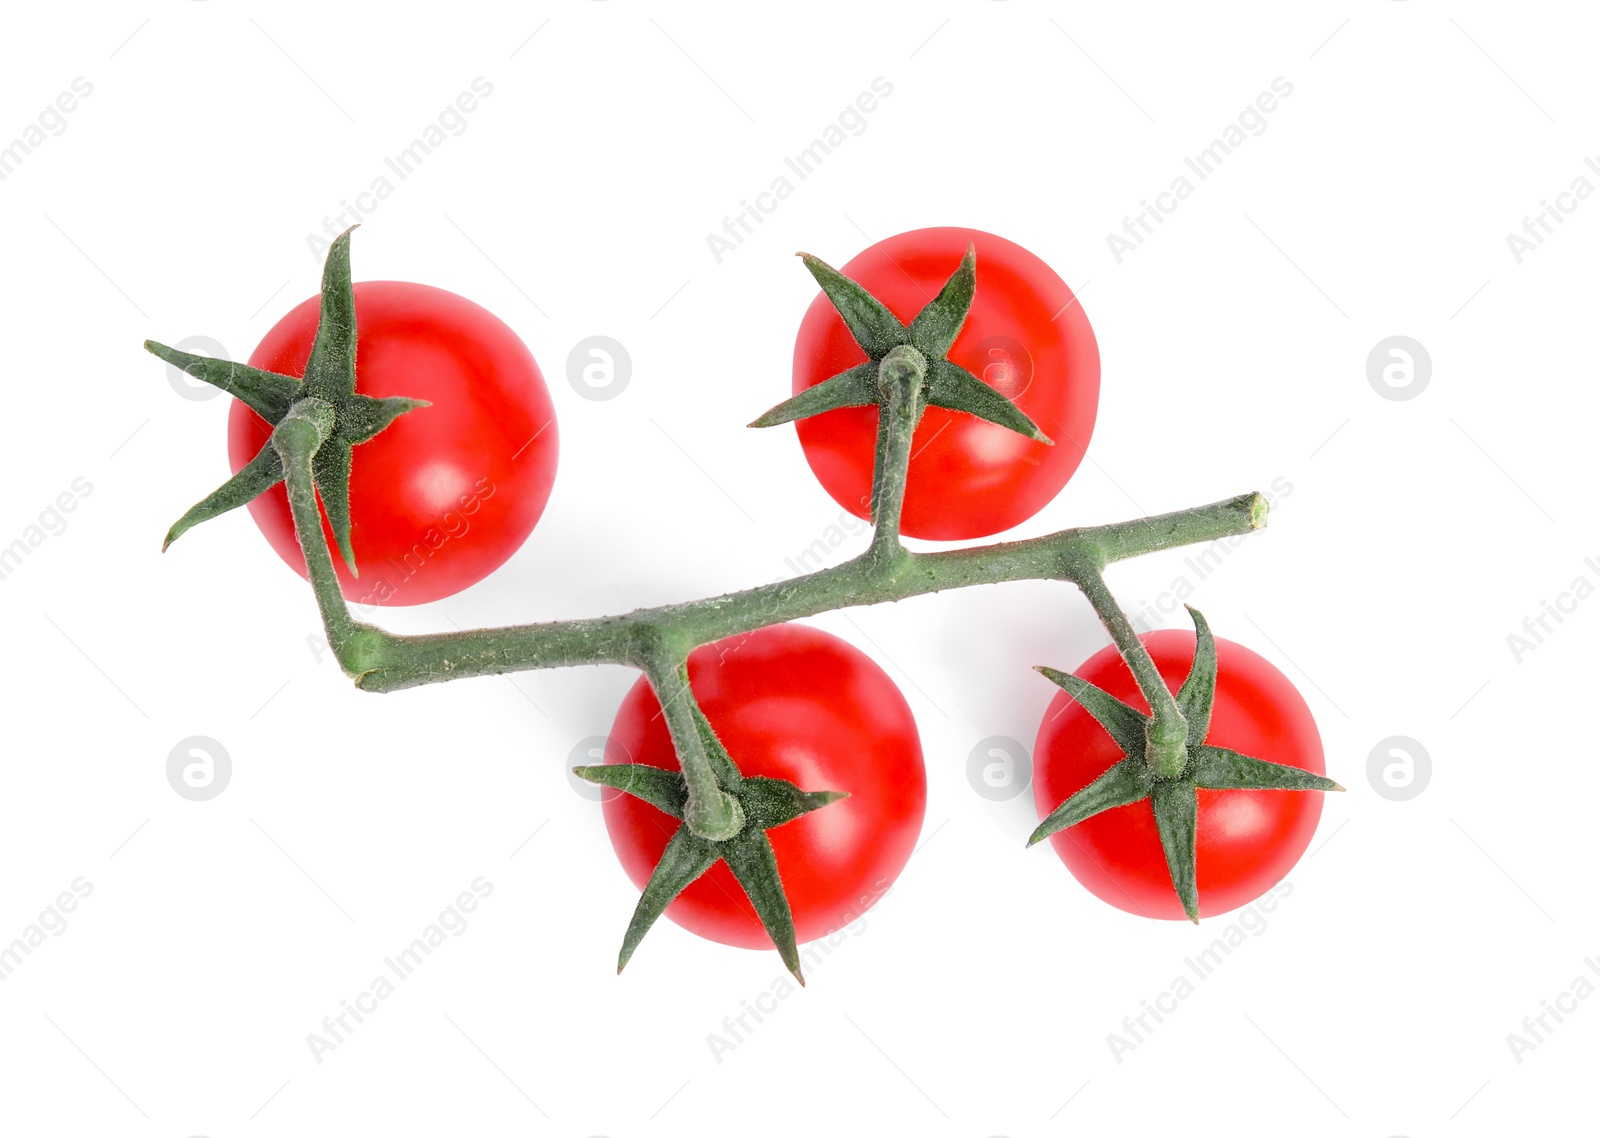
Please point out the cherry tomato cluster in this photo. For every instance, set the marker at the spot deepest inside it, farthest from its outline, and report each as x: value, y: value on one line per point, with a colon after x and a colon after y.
x: 811, y: 741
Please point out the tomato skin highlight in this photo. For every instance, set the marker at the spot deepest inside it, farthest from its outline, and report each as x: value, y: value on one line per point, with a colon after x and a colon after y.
x: 1025, y: 335
x: 1247, y: 840
x: 788, y: 702
x: 448, y: 492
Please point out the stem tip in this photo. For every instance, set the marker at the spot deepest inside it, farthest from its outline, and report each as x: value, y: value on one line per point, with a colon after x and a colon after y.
x: 1259, y: 508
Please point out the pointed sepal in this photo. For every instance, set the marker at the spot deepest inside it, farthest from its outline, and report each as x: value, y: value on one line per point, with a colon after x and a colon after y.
x: 1127, y: 782
x: 1200, y: 687
x: 364, y: 417
x: 331, y: 368
x: 331, y: 467
x: 682, y: 862
x: 266, y: 393
x: 1124, y: 724
x: 937, y: 325
x: 1177, y: 808
x: 755, y: 866
x: 856, y: 387
x: 663, y: 789
x: 255, y: 478
x: 770, y: 802
x: 1217, y: 768
x: 954, y: 388
x: 874, y: 327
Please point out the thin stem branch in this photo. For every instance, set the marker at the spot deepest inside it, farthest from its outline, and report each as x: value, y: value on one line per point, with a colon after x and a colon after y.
x: 394, y: 662
x: 900, y: 407
x: 658, y: 640
x: 296, y: 439
x: 709, y: 812
x: 1166, y: 732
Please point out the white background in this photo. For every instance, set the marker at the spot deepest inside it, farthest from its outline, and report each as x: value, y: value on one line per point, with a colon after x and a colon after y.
x: 979, y: 995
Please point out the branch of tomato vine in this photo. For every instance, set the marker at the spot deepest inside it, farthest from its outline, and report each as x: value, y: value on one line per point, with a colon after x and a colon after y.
x: 648, y: 638
x: 1167, y: 732
x: 909, y: 372
x: 725, y: 815
x: 708, y: 810
x: 900, y: 407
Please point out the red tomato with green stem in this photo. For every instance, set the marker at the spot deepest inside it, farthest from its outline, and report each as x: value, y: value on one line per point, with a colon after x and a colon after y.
x: 447, y: 493
x: 1025, y: 335
x: 1246, y: 841
x: 795, y: 703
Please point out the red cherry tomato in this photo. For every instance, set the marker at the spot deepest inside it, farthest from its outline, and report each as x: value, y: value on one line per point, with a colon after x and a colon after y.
x: 447, y: 493
x: 795, y: 703
x: 1025, y: 335
x: 1246, y: 840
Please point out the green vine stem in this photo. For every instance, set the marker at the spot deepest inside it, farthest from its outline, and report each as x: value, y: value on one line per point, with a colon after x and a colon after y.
x: 900, y: 407
x: 658, y: 640
x: 709, y: 811
x: 296, y: 440
x: 383, y: 661
x: 1167, y: 733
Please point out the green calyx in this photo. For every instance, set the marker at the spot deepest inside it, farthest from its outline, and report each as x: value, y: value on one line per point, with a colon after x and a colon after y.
x: 765, y: 804
x: 880, y: 333
x: 1149, y: 772
x: 331, y: 377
